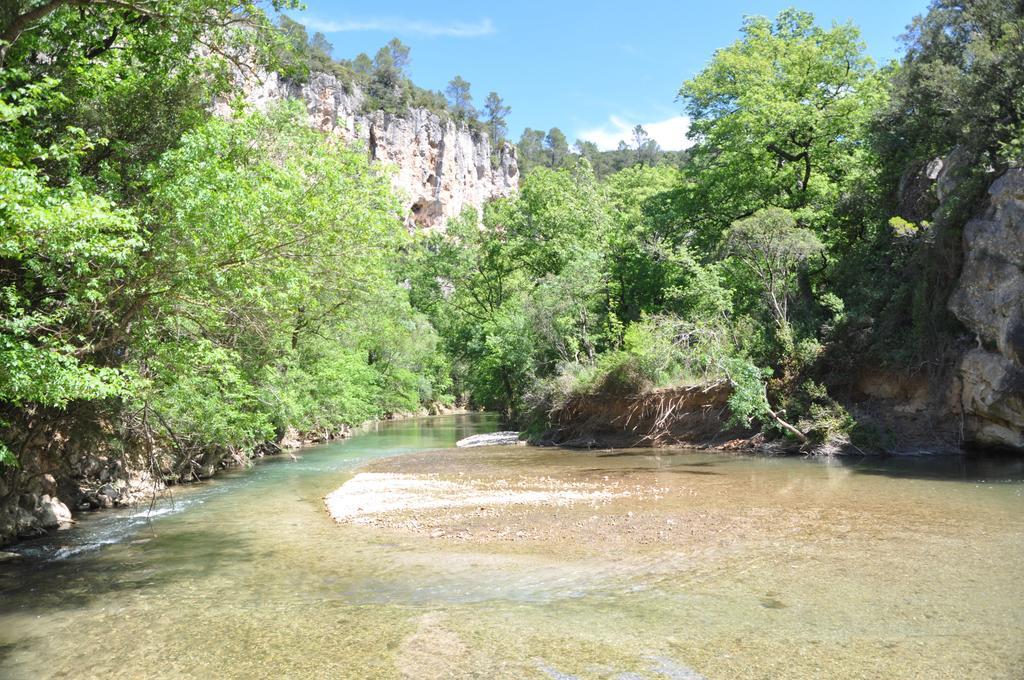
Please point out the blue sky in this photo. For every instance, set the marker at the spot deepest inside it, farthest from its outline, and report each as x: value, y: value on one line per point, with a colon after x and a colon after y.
x: 593, y: 69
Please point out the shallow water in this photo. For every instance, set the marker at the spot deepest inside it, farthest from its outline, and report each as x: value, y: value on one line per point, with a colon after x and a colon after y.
x: 766, y: 568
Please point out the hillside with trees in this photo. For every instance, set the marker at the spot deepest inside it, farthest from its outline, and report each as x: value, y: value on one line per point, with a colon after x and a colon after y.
x: 180, y: 290
x: 787, y: 253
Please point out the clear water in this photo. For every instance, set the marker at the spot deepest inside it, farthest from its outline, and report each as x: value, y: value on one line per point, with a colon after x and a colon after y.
x: 793, y: 569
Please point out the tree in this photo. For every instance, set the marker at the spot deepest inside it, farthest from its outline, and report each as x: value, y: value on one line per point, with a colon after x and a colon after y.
x: 770, y: 245
x: 959, y: 84
x: 557, y: 147
x: 640, y: 139
x: 399, y: 55
x: 646, y: 148
x: 598, y: 160
x: 518, y: 294
x: 495, y: 111
x: 386, y: 89
x: 294, y: 61
x: 304, y: 54
x: 320, y: 53
x: 363, y: 66
x: 531, y: 149
x: 173, y: 279
x: 459, y: 99
x: 779, y: 119
x: 204, y: 21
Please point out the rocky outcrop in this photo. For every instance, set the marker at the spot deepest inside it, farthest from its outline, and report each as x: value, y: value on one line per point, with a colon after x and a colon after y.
x: 33, y: 515
x: 440, y: 166
x: 992, y: 399
x: 989, y: 300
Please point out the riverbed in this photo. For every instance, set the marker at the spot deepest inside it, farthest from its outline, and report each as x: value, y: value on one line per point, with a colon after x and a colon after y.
x: 630, y: 564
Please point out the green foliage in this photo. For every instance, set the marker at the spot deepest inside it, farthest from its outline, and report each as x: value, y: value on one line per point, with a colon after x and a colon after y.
x: 305, y: 54
x: 324, y: 384
x: 233, y: 216
x: 531, y: 150
x: 770, y: 246
x: 778, y: 118
x: 495, y: 112
x: 748, y: 401
x: 960, y: 83
x: 460, y: 101
x: 213, y: 275
x: 64, y: 250
x: 232, y: 278
x: 209, y: 403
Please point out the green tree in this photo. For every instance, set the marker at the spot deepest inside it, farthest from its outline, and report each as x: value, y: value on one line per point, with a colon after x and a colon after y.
x: 399, y: 55
x: 779, y: 119
x: 646, y: 148
x: 959, y: 84
x: 189, y: 282
x: 556, y: 147
x: 648, y: 274
x: 771, y: 245
x: 363, y: 67
x: 304, y: 54
x: 495, y: 112
x: 78, y: 129
x: 387, y: 87
x: 531, y: 149
x: 558, y: 214
x: 460, y: 101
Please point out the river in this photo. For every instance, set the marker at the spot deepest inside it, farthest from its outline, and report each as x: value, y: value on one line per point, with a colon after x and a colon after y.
x: 790, y: 568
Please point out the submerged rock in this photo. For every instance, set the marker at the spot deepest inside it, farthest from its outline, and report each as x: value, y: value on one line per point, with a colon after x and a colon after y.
x: 507, y: 438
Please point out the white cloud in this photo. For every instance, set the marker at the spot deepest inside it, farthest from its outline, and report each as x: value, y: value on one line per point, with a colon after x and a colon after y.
x: 669, y: 133
x: 456, y: 29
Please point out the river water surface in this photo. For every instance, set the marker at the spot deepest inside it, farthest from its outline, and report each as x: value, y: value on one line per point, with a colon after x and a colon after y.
x: 733, y: 567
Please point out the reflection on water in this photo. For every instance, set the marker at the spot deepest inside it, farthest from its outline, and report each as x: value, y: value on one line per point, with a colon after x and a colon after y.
x: 778, y: 568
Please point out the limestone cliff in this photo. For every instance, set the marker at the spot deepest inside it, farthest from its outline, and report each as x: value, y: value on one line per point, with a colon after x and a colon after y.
x: 989, y: 300
x: 440, y: 166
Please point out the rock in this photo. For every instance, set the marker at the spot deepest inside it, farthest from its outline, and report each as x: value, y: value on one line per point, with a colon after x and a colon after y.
x: 992, y: 399
x: 915, y: 195
x: 27, y: 524
x: 8, y: 527
x: 53, y: 514
x: 949, y: 171
x: 507, y: 438
x: 989, y: 300
x: 441, y: 167
x: 48, y: 484
x: 110, y: 491
x: 8, y: 556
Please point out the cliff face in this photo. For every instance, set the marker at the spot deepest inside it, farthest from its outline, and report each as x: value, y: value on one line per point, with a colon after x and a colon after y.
x: 440, y: 166
x: 989, y: 300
